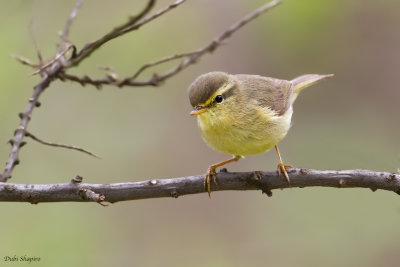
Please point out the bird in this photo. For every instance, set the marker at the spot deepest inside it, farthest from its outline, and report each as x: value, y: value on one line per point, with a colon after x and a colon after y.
x: 244, y: 114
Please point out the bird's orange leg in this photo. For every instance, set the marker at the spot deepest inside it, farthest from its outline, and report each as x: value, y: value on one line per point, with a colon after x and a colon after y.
x: 211, y: 172
x: 281, y: 167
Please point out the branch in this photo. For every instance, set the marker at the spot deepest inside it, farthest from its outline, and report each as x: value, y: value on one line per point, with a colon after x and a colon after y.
x: 71, y: 18
x: 48, y: 72
x: 35, y: 44
x: 24, y: 61
x: 54, y: 60
x: 51, y: 70
x: 189, y: 57
x: 43, y: 142
x: 89, y: 48
x: 175, y: 187
x: 18, y: 141
x: 56, y: 67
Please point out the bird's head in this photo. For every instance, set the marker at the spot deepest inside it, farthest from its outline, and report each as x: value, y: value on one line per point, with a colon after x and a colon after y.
x: 212, y: 91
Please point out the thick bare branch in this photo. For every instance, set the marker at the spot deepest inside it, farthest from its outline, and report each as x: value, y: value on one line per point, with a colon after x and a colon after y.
x: 189, y: 57
x: 175, y: 187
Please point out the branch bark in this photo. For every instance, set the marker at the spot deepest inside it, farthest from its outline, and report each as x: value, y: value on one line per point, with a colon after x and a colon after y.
x: 175, y: 187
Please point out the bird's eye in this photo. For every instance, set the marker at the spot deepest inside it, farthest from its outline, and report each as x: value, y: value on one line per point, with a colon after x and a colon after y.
x: 219, y: 98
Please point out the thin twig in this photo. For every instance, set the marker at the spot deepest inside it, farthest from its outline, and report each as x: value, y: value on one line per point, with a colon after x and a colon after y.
x: 38, y: 53
x: 176, y: 187
x: 71, y: 18
x: 152, y: 17
x: 89, y: 48
x: 51, y: 62
x: 24, y: 61
x: 209, y: 48
x: 158, y: 62
x: 18, y: 141
x: 53, y: 68
x: 189, y: 57
x: 28, y: 134
x: 90, y: 195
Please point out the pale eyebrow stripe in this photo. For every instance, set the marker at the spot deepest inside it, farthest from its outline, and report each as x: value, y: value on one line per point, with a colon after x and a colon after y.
x: 225, y: 89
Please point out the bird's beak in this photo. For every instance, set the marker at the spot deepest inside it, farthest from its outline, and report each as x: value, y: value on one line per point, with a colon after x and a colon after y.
x: 198, y: 110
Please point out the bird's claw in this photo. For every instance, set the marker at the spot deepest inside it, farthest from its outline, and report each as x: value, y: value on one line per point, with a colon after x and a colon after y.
x: 207, y: 180
x: 282, y: 169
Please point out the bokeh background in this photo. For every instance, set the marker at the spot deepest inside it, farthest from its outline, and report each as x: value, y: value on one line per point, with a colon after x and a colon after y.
x: 348, y: 122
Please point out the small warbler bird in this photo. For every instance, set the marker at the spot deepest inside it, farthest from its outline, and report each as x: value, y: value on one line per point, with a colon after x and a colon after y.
x: 244, y: 114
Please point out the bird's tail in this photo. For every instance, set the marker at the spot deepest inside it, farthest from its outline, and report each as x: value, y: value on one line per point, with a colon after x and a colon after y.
x: 304, y: 81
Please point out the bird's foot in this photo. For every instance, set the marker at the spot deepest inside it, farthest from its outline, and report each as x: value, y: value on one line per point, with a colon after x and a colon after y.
x: 207, y: 180
x: 282, y: 169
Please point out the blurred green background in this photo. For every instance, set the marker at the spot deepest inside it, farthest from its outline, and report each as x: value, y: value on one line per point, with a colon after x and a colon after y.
x: 348, y: 122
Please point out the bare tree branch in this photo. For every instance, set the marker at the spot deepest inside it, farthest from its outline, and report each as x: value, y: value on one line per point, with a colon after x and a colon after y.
x: 158, y: 62
x: 89, y: 48
x: 176, y: 187
x: 54, y: 60
x: 18, y: 141
x: 28, y: 134
x: 35, y: 44
x: 25, y: 61
x: 189, y: 57
x: 65, y: 33
x: 56, y: 67
x: 144, y: 21
x: 155, y: 188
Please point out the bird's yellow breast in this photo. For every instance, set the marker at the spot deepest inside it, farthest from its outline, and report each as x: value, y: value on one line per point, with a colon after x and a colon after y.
x: 243, y: 132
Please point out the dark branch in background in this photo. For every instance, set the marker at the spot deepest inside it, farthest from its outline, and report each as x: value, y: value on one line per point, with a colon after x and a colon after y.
x: 189, y: 58
x: 56, y: 68
x: 176, y: 187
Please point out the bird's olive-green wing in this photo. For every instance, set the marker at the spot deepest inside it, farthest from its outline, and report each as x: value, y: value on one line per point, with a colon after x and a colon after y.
x: 267, y: 92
